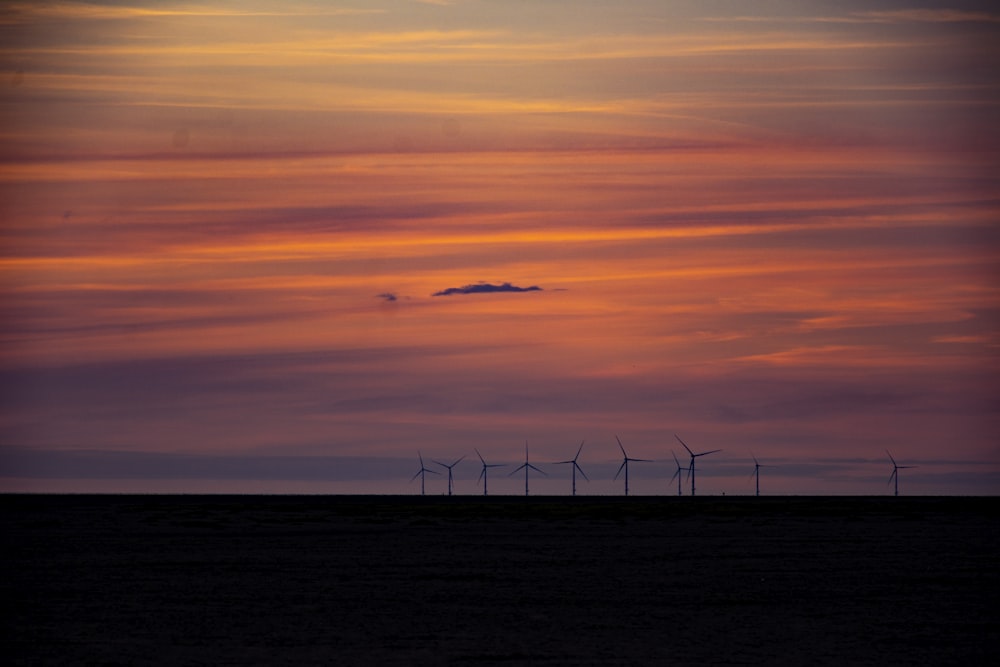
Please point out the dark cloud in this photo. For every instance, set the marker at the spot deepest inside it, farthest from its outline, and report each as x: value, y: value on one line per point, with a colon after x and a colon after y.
x: 388, y: 296
x: 482, y: 288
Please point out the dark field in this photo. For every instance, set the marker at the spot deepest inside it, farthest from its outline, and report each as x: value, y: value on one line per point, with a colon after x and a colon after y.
x: 471, y: 581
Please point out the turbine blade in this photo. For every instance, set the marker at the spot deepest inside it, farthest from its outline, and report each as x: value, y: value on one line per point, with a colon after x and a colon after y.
x: 580, y: 470
x: 417, y: 475
x: 579, y: 450
x: 517, y: 469
x: 480, y: 456
x: 709, y: 452
x: 620, y: 445
x: 675, y: 458
x: 620, y: 468
x: 683, y: 443
x: 459, y: 460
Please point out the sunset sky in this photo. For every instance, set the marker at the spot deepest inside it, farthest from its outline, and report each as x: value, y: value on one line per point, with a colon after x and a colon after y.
x: 236, y: 237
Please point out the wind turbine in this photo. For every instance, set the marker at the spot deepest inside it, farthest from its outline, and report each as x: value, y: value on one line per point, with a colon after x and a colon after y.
x: 693, y: 455
x: 624, y: 465
x: 895, y: 473
x: 420, y: 473
x: 677, y: 474
x: 756, y: 471
x: 449, y: 467
x: 576, y: 466
x: 527, y: 466
x: 486, y: 466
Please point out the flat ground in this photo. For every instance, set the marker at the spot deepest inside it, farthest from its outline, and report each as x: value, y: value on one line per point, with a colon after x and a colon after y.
x: 471, y: 581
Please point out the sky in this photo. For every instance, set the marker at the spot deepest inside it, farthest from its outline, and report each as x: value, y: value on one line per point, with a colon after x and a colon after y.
x: 284, y: 247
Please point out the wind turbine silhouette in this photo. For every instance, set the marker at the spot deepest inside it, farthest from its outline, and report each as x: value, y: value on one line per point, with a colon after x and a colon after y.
x: 624, y: 465
x: 677, y: 474
x: 486, y: 466
x: 693, y: 456
x: 527, y: 466
x: 895, y: 473
x: 756, y: 471
x: 449, y: 467
x: 576, y: 466
x: 420, y: 473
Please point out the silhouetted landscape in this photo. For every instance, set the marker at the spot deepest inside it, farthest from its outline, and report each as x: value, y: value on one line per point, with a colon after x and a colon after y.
x: 499, y: 580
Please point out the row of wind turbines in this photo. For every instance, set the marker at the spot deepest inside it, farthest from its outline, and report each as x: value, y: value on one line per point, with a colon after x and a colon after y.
x: 527, y: 467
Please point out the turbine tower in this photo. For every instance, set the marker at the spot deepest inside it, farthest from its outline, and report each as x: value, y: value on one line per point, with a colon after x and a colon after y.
x: 677, y: 474
x: 420, y: 473
x: 527, y: 467
x: 895, y: 473
x: 624, y: 465
x: 576, y: 466
x: 756, y: 472
x: 449, y: 467
x: 693, y: 456
x: 486, y: 466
